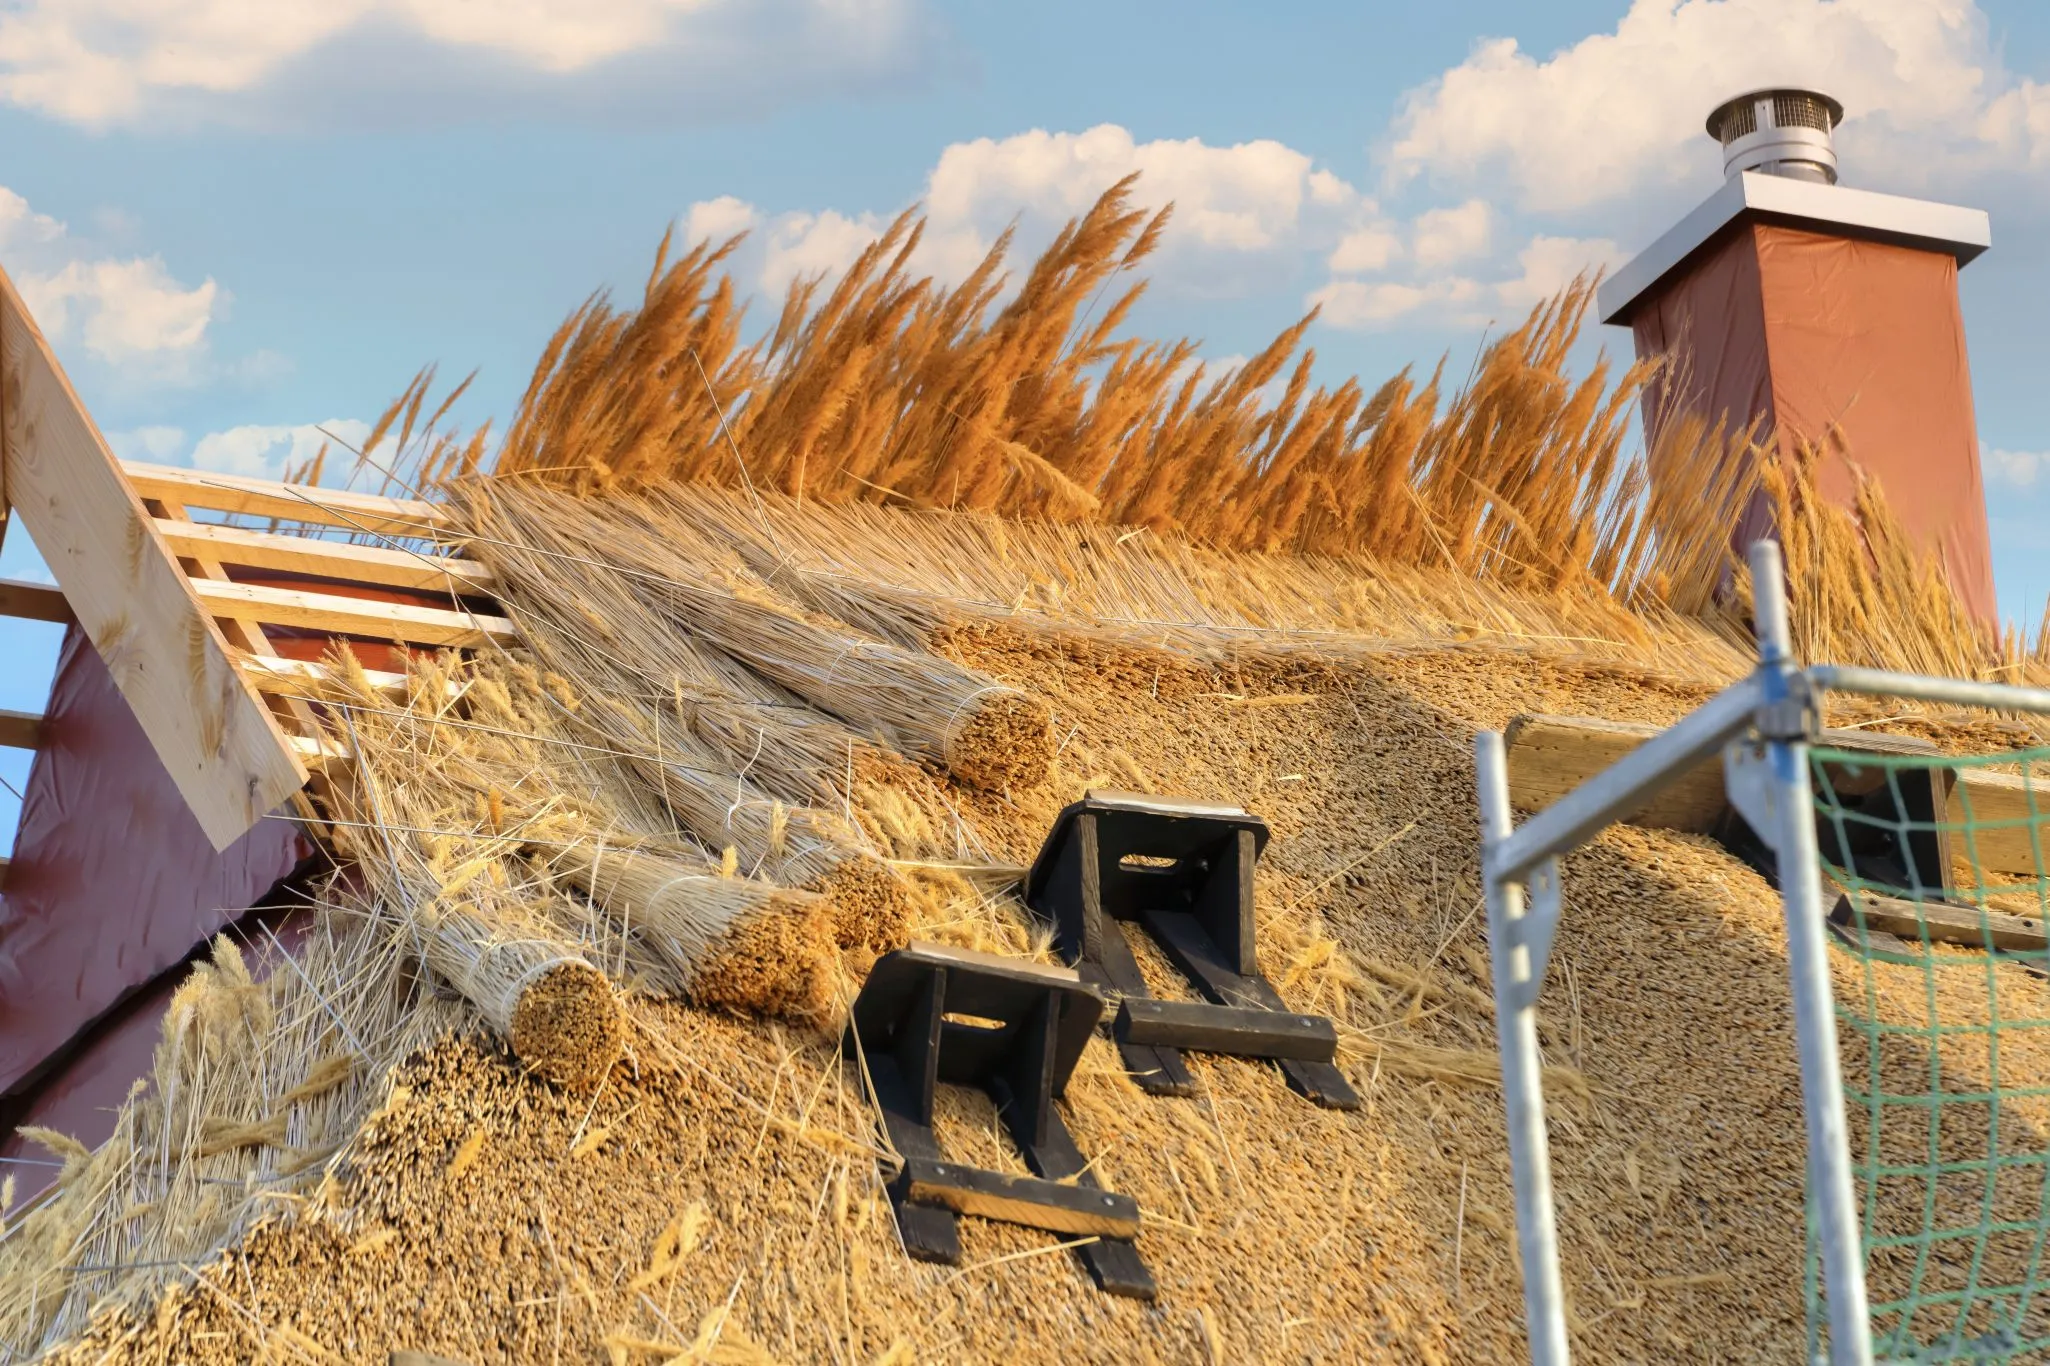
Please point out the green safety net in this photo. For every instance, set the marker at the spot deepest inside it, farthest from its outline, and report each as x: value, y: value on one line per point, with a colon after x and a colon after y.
x: 1934, y: 877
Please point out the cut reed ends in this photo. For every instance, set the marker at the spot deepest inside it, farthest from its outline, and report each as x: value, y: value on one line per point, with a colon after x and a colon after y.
x: 1003, y: 739
x: 871, y: 904
x: 738, y: 944
x: 567, y: 1026
x: 558, y: 1013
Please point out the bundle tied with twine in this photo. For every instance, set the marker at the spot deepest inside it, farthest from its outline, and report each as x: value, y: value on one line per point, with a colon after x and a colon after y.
x: 985, y: 733
x: 737, y: 944
x: 556, y: 1011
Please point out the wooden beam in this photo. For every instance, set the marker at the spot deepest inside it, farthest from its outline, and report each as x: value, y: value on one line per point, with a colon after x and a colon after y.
x: 383, y: 565
x: 286, y: 502
x: 1549, y: 756
x: 339, y: 615
x: 1992, y: 825
x: 20, y: 729
x: 317, y: 754
x: 33, y: 602
x: 275, y: 675
x: 215, y: 736
x: 1945, y: 923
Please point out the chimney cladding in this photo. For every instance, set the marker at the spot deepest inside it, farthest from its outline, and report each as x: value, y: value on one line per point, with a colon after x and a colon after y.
x: 1783, y: 132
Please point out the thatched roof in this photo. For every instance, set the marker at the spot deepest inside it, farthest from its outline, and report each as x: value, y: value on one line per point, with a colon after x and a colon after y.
x: 745, y: 741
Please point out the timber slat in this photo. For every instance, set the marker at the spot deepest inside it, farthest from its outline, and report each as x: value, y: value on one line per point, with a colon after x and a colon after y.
x: 286, y: 502
x: 20, y: 729
x: 338, y: 615
x: 33, y: 602
x: 382, y: 565
x: 1944, y: 923
x: 1549, y: 756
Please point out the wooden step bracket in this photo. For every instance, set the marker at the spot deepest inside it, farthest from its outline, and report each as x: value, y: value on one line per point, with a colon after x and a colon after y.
x: 1183, y: 872
x: 930, y: 1016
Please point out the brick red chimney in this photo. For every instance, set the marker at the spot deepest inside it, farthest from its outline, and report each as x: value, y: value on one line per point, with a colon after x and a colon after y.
x: 1823, y: 314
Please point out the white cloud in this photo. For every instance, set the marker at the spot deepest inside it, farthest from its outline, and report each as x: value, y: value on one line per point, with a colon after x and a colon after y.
x: 715, y: 220
x: 1619, y: 112
x: 1244, y: 203
x: 1365, y: 251
x: 1545, y: 265
x: 127, y: 312
x: 110, y: 62
x: 266, y: 452
x: 123, y: 310
x: 1242, y: 198
x: 2016, y: 469
x: 1443, y: 237
x: 814, y: 244
x: 154, y: 444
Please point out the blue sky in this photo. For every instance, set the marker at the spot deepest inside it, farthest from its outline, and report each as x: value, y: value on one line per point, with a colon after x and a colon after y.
x: 240, y: 218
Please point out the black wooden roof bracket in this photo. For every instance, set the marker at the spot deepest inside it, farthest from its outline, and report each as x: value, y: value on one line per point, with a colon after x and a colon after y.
x: 1183, y: 872
x: 929, y: 1016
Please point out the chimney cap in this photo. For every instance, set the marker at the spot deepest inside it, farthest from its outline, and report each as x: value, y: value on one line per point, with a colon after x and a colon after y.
x: 1719, y: 116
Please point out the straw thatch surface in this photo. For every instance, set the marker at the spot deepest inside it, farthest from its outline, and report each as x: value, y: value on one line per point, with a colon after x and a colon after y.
x: 721, y: 1186
x: 751, y: 740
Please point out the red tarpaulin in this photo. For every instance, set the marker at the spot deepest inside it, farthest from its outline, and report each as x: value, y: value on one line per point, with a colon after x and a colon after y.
x: 112, y: 880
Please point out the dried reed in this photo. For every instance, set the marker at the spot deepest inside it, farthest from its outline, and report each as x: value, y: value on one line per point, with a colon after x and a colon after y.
x: 737, y: 944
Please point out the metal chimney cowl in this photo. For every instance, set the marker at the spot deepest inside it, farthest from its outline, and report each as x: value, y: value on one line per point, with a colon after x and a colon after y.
x: 1783, y: 131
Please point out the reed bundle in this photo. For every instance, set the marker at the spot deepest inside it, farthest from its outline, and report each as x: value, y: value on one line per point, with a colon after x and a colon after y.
x: 673, y: 727
x: 737, y: 944
x: 556, y: 1011
x: 985, y: 733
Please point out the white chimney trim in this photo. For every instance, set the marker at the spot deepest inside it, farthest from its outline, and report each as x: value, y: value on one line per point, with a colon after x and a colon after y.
x: 1961, y: 232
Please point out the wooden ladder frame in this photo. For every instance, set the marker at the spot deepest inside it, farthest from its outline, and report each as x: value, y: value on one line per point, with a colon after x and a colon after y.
x: 149, y: 584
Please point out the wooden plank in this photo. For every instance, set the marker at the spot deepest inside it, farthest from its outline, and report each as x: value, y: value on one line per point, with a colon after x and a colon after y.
x: 318, y: 754
x: 1549, y: 756
x: 2002, y: 834
x: 286, y: 502
x: 33, y: 602
x: 276, y: 676
x: 338, y: 615
x: 1028, y: 1200
x: 1946, y: 924
x: 382, y: 565
x: 20, y: 729
x: 1205, y: 1028
x: 217, y: 739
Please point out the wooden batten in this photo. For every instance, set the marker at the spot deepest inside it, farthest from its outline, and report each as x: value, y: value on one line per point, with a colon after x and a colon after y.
x: 20, y: 729
x: 292, y: 677
x: 339, y: 615
x: 216, y: 738
x: 397, y: 517
x: 33, y: 602
x: 385, y: 566
x: 1549, y: 756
